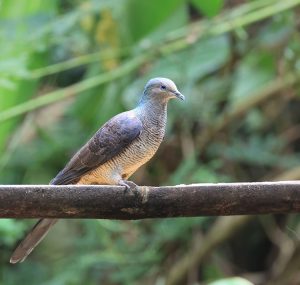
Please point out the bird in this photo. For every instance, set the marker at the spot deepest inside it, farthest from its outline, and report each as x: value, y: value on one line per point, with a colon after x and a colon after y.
x: 114, y: 153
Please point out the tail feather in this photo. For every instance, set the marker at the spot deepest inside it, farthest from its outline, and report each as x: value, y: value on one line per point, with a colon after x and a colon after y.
x: 32, y: 239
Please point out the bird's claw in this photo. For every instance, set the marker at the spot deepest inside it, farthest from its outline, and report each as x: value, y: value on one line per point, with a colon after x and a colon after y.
x: 130, y: 186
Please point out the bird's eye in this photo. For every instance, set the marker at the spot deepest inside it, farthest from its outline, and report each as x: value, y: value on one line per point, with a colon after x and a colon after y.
x: 163, y: 87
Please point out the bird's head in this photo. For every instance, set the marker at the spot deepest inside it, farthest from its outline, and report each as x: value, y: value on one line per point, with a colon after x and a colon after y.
x: 162, y: 89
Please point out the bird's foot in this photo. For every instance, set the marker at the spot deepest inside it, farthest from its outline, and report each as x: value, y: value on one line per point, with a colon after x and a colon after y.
x: 130, y: 187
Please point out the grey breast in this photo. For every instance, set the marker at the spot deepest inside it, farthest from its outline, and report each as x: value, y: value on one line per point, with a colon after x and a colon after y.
x: 154, y: 123
x: 146, y: 145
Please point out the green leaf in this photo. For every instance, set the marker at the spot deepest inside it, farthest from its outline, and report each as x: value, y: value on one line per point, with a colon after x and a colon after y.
x: 17, y: 55
x: 145, y: 16
x: 6, y: 83
x: 209, y: 8
x: 254, y: 71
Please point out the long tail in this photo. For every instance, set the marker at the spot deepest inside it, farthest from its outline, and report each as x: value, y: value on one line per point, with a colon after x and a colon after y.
x: 32, y: 239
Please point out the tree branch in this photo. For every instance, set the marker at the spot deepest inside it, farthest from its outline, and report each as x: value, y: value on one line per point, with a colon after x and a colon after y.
x: 112, y: 202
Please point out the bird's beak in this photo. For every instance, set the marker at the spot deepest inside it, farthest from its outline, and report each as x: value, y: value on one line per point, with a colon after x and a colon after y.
x: 179, y: 95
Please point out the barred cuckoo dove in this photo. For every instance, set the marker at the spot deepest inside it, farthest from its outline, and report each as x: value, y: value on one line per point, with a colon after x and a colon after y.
x: 114, y: 153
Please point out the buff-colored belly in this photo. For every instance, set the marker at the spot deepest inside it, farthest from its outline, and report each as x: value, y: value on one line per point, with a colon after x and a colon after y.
x: 123, y: 165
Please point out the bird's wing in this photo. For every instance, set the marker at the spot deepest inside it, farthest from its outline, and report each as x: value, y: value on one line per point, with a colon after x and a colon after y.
x: 109, y: 141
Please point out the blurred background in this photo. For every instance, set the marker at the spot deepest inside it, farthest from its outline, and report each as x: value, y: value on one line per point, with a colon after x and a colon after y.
x: 67, y: 66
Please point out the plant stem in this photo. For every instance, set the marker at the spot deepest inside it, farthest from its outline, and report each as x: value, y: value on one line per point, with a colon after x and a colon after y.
x: 73, y: 89
x: 77, y: 61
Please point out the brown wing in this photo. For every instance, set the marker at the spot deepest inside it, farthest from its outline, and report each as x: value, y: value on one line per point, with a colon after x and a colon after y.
x: 109, y: 140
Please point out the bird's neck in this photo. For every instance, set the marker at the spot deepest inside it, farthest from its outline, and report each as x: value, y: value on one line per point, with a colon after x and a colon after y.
x: 154, y: 111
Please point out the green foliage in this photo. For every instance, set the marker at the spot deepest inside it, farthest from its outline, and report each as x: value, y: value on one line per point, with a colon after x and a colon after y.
x: 255, y: 70
x: 68, y: 66
x: 209, y: 8
x: 10, y: 230
x: 18, y: 54
x: 145, y: 16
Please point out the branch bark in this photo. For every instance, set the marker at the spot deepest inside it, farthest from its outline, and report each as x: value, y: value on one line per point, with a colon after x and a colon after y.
x: 112, y: 202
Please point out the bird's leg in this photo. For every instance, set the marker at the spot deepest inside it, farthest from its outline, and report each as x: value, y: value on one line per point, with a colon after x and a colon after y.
x: 129, y: 185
